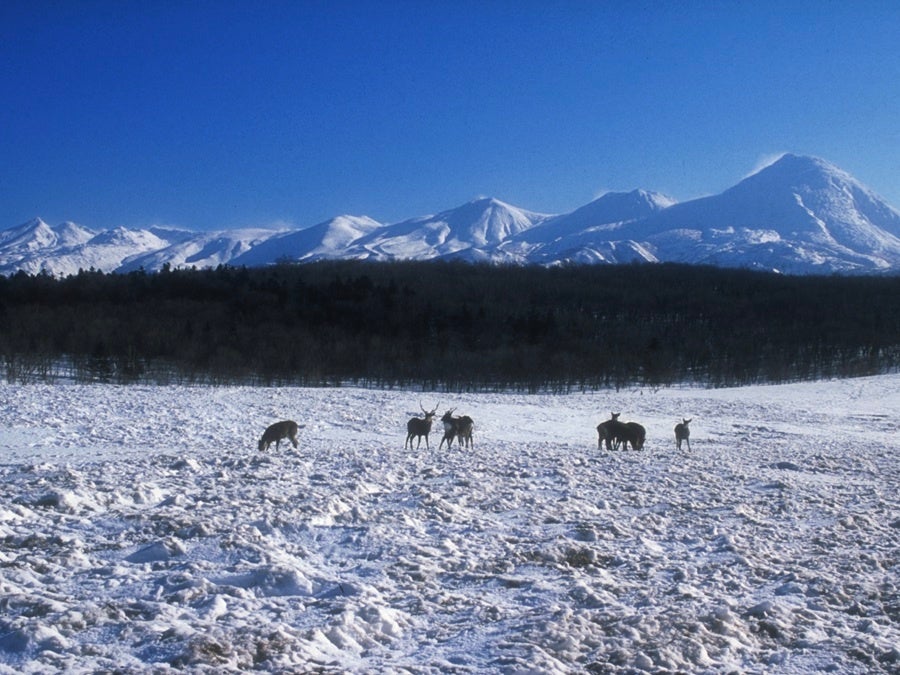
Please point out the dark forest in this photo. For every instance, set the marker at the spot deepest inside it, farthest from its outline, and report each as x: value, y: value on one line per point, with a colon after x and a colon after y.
x: 448, y: 325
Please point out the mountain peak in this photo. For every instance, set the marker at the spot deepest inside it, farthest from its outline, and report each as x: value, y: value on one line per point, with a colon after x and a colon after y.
x: 31, y: 226
x: 33, y: 223
x: 799, y: 169
x: 791, y: 159
x: 639, y: 199
x: 486, y: 220
x: 799, y: 213
x: 32, y: 235
x: 606, y: 213
x: 481, y: 205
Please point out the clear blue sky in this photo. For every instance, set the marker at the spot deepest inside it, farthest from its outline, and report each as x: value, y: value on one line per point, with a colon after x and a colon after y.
x: 225, y: 114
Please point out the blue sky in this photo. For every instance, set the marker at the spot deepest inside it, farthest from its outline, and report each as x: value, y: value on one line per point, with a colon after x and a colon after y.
x: 226, y: 114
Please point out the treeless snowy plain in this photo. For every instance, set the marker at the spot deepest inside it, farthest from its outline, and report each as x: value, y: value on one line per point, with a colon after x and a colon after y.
x: 141, y: 531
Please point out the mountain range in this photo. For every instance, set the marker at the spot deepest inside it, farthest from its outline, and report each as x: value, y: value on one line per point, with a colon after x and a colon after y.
x: 799, y: 215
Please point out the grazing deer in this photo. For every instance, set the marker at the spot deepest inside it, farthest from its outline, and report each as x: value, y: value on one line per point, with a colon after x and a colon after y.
x: 465, y: 425
x: 683, y: 433
x: 278, y: 431
x: 419, y: 427
x: 606, y: 431
x: 633, y: 433
x: 459, y: 427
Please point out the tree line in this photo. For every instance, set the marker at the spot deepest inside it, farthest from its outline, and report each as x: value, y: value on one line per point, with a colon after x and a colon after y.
x: 448, y: 325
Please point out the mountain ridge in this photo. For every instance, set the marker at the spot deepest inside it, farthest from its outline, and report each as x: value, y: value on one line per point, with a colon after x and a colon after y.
x: 800, y: 214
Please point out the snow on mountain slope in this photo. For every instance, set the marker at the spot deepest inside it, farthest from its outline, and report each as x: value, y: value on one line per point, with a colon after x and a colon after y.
x: 105, y: 252
x: 72, y: 234
x: 606, y: 212
x: 325, y: 240
x: 800, y: 214
x: 204, y: 249
x: 29, y: 246
x: 586, y: 234
x: 479, y: 224
x: 847, y: 208
x: 36, y: 234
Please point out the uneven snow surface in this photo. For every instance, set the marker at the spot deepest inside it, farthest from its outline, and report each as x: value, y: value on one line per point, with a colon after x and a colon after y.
x: 141, y: 531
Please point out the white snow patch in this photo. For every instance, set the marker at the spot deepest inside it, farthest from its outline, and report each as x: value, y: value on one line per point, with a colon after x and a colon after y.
x: 128, y: 544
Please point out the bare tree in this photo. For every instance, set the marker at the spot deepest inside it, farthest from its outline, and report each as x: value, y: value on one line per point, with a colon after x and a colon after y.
x: 683, y: 433
x: 419, y: 427
x: 278, y: 431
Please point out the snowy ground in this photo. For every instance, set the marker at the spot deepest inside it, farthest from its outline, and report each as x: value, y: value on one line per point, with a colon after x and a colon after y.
x: 141, y: 531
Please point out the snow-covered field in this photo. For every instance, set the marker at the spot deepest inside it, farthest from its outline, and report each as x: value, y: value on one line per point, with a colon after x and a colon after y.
x: 141, y: 531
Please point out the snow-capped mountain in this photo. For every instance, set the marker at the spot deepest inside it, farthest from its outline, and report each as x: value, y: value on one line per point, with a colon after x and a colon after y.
x: 201, y: 250
x: 319, y: 242
x: 67, y: 248
x: 584, y: 235
x: 470, y: 231
x: 32, y: 245
x: 798, y: 215
x: 36, y: 234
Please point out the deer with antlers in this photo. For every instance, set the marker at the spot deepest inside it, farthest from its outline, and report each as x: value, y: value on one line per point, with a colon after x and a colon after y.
x: 418, y: 427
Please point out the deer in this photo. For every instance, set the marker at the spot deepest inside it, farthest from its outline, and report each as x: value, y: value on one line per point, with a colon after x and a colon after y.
x: 683, y: 433
x: 607, y: 431
x: 419, y: 427
x: 278, y: 431
x: 449, y: 428
x: 459, y: 427
x: 634, y: 433
x: 465, y: 425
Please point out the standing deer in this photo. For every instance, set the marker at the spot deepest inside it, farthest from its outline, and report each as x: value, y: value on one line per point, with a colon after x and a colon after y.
x: 419, y: 427
x: 278, y: 431
x: 607, y: 431
x: 683, y: 433
x: 633, y: 433
x: 449, y: 428
x: 459, y: 427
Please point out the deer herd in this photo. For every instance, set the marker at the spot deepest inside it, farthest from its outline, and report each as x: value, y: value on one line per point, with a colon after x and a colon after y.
x: 460, y: 428
x: 612, y: 433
